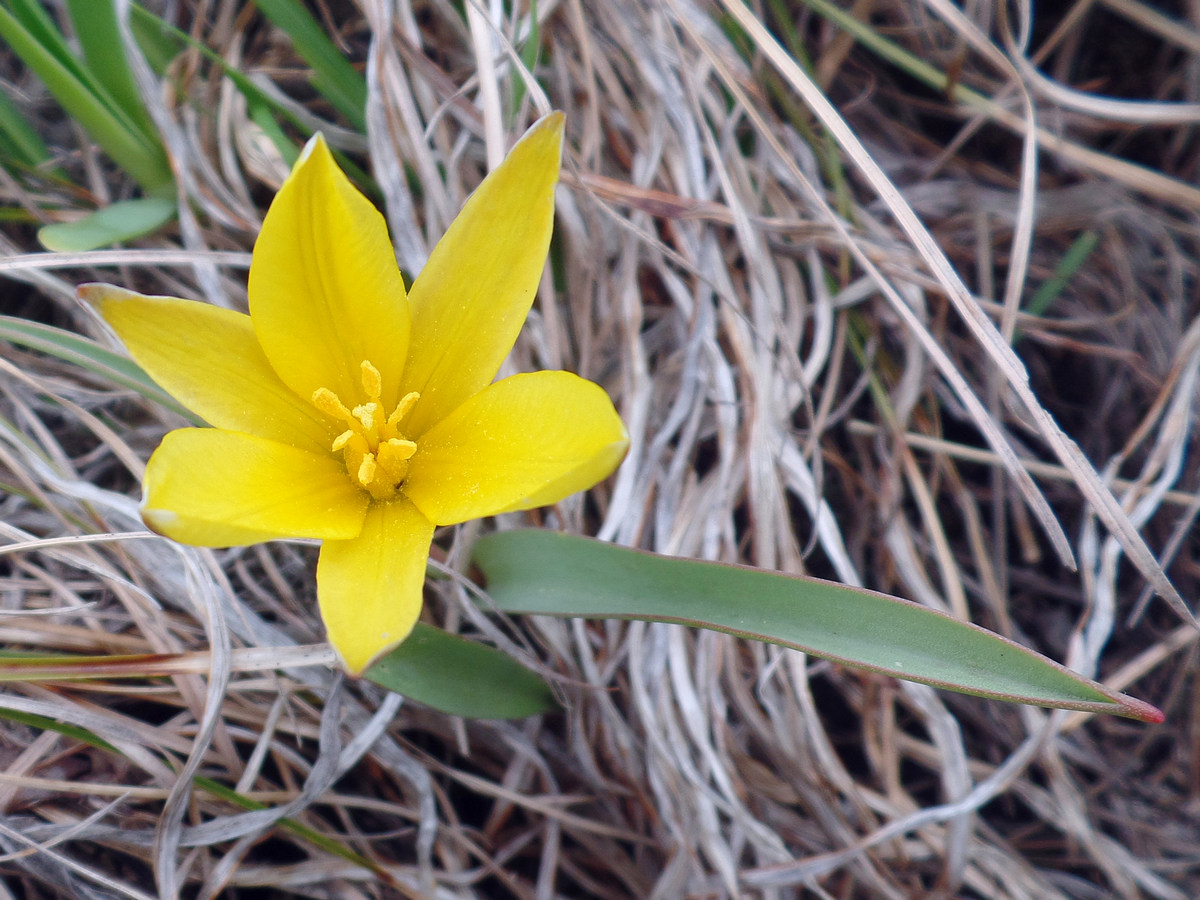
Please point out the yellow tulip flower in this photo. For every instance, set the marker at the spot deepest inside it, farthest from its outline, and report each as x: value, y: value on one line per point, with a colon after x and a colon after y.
x: 349, y: 411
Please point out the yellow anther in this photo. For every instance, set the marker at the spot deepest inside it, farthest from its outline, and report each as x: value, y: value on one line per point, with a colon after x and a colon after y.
x: 396, y: 450
x: 404, y: 407
x: 366, y: 470
x: 369, y: 415
x: 327, y: 402
x: 372, y: 381
x: 376, y: 453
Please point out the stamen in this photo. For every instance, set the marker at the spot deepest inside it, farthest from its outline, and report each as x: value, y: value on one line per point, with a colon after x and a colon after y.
x: 396, y: 450
x: 376, y: 453
x: 369, y: 415
x: 404, y: 407
x: 372, y: 381
x: 366, y: 470
x: 327, y: 402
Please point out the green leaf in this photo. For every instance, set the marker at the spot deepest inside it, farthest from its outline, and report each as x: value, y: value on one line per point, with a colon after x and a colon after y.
x: 159, y: 42
x: 73, y: 732
x: 461, y: 677
x: 85, y: 100
x: 262, y: 116
x: 99, y: 35
x: 36, y: 20
x: 1077, y: 254
x: 87, y: 354
x: 543, y: 572
x: 314, y: 837
x: 154, y: 31
x: 529, y: 56
x: 22, y: 144
x: 333, y: 75
x: 204, y: 783
x: 114, y: 224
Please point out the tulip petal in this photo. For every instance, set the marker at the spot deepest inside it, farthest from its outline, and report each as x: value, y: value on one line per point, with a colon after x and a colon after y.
x: 325, y: 291
x: 370, y: 588
x: 474, y: 293
x: 523, y: 442
x: 215, y: 488
x: 209, y: 359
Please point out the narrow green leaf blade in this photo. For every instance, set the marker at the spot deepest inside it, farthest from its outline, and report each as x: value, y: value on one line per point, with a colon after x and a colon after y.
x: 23, y: 142
x: 314, y: 837
x: 529, y: 56
x: 159, y: 42
x: 73, y: 732
x: 461, y: 677
x: 533, y: 571
x: 154, y: 32
x: 99, y: 35
x: 36, y: 20
x: 204, y: 783
x: 81, y: 97
x: 338, y: 81
x: 87, y: 354
x: 114, y: 224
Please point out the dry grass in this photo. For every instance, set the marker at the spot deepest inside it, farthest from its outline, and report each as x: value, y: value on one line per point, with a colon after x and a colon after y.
x: 812, y: 382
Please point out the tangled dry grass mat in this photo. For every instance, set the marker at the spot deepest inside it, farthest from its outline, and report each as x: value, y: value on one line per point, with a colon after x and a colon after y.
x: 845, y: 272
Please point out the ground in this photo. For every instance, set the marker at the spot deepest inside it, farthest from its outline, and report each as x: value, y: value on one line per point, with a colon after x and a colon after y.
x: 815, y: 372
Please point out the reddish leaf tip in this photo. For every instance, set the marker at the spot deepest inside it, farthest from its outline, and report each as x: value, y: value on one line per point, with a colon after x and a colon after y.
x: 1142, y: 711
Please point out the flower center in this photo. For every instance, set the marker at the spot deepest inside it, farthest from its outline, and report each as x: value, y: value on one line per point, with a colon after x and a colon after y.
x: 375, y: 451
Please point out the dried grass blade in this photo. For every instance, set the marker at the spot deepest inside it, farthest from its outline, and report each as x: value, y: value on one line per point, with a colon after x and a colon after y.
x: 84, y: 99
x: 1001, y: 354
x: 90, y: 356
x: 333, y: 75
x: 1133, y: 175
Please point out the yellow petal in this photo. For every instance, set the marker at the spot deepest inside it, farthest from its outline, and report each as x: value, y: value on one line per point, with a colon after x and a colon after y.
x: 526, y: 441
x: 473, y: 295
x: 209, y: 359
x: 215, y: 488
x: 325, y: 291
x: 370, y: 588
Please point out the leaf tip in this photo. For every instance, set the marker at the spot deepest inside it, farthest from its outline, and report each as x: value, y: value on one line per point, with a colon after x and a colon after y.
x: 1140, y: 710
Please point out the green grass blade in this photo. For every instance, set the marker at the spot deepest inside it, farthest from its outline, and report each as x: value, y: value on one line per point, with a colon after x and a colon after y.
x: 262, y: 116
x: 104, y: 72
x: 116, y: 134
x: 87, y: 354
x: 23, y: 145
x: 529, y: 54
x: 533, y: 571
x: 314, y: 837
x: 461, y: 677
x: 154, y: 31
x: 114, y: 224
x: 93, y: 31
x: 164, y: 42
x: 1077, y: 254
x: 99, y: 35
x: 74, y: 732
x: 338, y: 81
x: 42, y: 28
x: 159, y: 42
x: 208, y: 785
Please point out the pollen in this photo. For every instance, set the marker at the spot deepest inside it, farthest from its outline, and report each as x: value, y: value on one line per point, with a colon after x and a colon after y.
x: 374, y: 449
